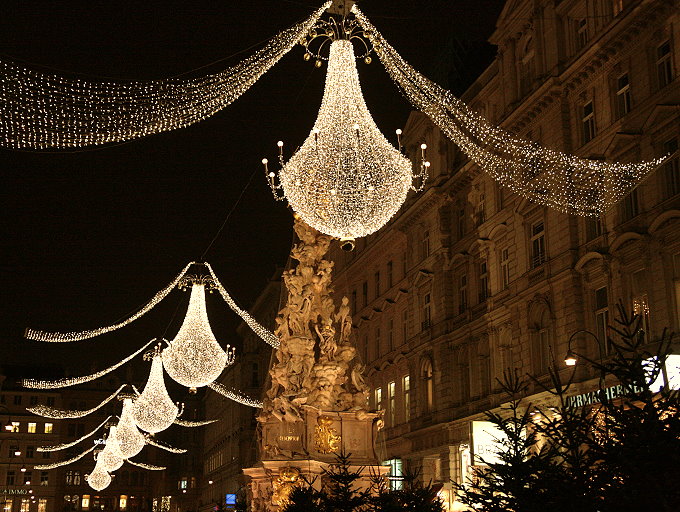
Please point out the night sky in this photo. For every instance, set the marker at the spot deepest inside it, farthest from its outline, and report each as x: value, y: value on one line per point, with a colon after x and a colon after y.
x: 89, y: 236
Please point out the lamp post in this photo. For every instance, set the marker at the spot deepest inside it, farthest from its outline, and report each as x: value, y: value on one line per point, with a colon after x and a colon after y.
x: 570, y: 359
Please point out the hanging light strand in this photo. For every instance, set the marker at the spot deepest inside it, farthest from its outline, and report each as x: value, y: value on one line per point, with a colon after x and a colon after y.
x: 150, y: 467
x: 63, y: 446
x: 235, y: 395
x: 266, y: 335
x: 41, y: 110
x: 55, y: 465
x: 72, y: 381
x: 61, y: 414
x: 61, y: 337
x: 192, y: 424
x: 565, y: 182
x: 152, y: 442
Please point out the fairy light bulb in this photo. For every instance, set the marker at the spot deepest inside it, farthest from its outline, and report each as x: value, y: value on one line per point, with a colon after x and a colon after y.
x: 346, y: 180
x: 154, y: 410
x: 129, y: 440
x: 194, y: 358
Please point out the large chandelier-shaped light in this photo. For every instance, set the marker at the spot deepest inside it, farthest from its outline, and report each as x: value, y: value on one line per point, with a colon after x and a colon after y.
x: 99, y: 479
x: 110, y: 458
x: 154, y: 410
x: 128, y: 439
x: 346, y: 180
x: 194, y: 358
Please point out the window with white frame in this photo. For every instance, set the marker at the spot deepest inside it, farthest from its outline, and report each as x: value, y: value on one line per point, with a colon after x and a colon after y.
x: 601, y: 312
x: 623, y: 103
x: 406, y: 390
x: 392, y: 401
x: 537, y: 242
x: 427, y: 375
x: 480, y: 210
x: 378, y: 399
x: 505, y: 268
x: 664, y: 64
x: 587, y: 122
x: 582, y: 33
x: 395, y: 473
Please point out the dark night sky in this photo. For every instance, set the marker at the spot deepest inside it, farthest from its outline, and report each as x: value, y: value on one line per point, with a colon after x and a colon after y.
x: 89, y: 236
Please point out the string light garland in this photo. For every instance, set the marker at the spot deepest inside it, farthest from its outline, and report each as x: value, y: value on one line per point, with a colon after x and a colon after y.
x: 72, y: 381
x: 346, y: 180
x: 128, y: 440
x: 55, y: 465
x: 63, y: 337
x: 41, y: 110
x: 187, y: 423
x: 194, y: 358
x: 236, y: 396
x: 152, y: 442
x: 60, y: 414
x: 266, y: 335
x: 154, y: 410
x: 150, y: 467
x: 564, y: 182
x: 63, y: 446
x: 99, y: 479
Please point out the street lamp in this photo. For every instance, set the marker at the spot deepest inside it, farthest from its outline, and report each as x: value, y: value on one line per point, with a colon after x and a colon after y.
x: 570, y: 359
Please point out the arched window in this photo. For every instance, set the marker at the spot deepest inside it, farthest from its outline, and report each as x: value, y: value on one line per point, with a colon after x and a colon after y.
x: 427, y: 376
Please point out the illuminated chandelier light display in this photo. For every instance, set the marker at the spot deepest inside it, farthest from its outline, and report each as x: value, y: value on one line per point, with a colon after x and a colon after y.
x: 127, y: 438
x: 41, y: 110
x: 235, y: 395
x: 72, y: 381
x: 564, y: 182
x: 99, y: 479
x: 194, y: 358
x: 346, y: 180
x: 60, y: 414
x: 154, y: 410
x: 63, y: 446
x: 110, y: 457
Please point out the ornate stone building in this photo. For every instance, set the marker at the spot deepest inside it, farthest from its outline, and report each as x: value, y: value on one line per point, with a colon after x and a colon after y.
x: 470, y: 279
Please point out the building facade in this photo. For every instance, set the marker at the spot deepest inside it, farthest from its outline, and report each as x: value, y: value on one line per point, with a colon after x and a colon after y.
x: 470, y: 279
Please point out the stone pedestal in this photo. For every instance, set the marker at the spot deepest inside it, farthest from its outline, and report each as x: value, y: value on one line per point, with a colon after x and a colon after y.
x: 294, y: 453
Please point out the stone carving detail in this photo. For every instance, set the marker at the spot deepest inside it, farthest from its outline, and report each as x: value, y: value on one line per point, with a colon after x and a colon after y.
x: 326, y: 438
x: 316, y: 364
x: 284, y: 484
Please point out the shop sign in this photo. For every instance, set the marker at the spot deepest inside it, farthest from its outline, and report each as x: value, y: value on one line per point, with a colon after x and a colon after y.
x: 14, y: 491
x: 485, y: 442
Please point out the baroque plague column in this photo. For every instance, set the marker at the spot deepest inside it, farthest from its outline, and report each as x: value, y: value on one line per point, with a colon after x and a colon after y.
x: 316, y: 406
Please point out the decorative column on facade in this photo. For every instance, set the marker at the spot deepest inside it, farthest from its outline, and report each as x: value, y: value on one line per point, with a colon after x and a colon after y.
x: 316, y: 405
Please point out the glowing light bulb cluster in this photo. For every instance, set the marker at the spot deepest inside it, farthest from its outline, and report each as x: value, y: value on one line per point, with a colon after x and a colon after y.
x: 235, y: 395
x: 194, y: 358
x: 62, y: 337
x: 63, y: 446
x: 564, y: 182
x: 346, y: 180
x: 42, y: 110
x: 72, y: 381
x: 110, y: 457
x: 154, y: 410
x: 60, y: 414
x: 99, y: 479
x: 128, y: 440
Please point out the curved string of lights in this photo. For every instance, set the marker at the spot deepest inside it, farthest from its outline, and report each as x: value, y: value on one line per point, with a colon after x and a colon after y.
x: 143, y: 465
x: 55, y: 465
x: 565, y: 182
x: 61, y: 414
x: 72, y: 381
x: 235, y: 395
x: 63, y: 446
x: 152, y: 442
x: 61, y: 337
x: 192, y: 424
x: 41, y: 110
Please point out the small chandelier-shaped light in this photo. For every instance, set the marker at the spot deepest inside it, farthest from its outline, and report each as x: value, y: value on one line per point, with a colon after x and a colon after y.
x: 110, y: 458
x: 154, y: 410
x: 128, y: 439
x: 194, y: 358
x: 346, y: 180
x: 99, y: 479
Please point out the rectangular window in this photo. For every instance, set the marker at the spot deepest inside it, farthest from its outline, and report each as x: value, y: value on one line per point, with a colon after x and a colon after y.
x: 68, y: 478
x: 392, y: 398
x: 14, y: 451
x: 364, y: 293
x: 50, y: 401
x: 42, y: 505
x: 28, y: 475
x: 641, y: 308
x: 48, y: 428
x: 15, y: 426
x: 588, y: 122
x: 34, y: 400
x: 377, y: 343
x: 425, y: 322
x: 122, y: 502
x: 582, y: 33
x: 671, y: 169
x: 631, y: 205
x: 483, y: 282
x: 480, y: 211
x: 44, y: 478
x: 25, y: 505
x: 378, y: 399
x: 404, y: 326
x: 406, y: 388
x: 602, y: 316
x: 664, y: 64
x: 537, y: 244
x: 46, y: 455
x: 462, y: 225
x: 32, y: 428
x: 462, y: 294
x: 390, y: 275
x: 17, y: 399
x: 29, y: 452
x: 425, y: 245
x: 623, y: 104
x: 85, y: 503
x: 593, y: 228
x: 390, y: 335
x: 505, y: 268
x: 354, y: 301
x: 7, y: 504
x: 395, y: 474
x: 377, y: 284
x: 9, y: 478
